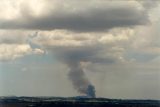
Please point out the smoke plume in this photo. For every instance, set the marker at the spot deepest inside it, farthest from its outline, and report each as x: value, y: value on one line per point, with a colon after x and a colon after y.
x: 79, y: 80
x: 91, y: 91
x: 72, y: 57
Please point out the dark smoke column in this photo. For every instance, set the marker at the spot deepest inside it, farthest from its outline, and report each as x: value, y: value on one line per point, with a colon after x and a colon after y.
x: 91, y: 91
x: 79, y: 79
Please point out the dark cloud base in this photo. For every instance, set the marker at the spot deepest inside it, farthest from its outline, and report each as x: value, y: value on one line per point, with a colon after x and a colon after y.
x: 91, y: 20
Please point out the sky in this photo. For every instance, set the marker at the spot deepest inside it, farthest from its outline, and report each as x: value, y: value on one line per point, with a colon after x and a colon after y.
x: 48, y: 46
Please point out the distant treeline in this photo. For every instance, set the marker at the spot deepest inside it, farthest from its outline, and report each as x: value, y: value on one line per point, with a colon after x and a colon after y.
x: 74, y: 102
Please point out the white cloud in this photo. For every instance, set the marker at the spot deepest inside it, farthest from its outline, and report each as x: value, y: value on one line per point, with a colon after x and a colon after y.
x: 10, y: 52
x: 38, y: 51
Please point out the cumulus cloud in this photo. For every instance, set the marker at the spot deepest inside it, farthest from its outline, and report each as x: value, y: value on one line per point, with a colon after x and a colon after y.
x: 10, y: 52
x: 14, y: 44
x: 84, y: 47
x: 96, y: 16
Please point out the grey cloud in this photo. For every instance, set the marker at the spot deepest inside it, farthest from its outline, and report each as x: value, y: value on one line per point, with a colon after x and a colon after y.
x: 92, y: 19
x: 83, y: 54
x: 13, y: 37
x: 140, y: 57
x: 84, y: 47
x: 11, y: 41
x: 149, y: 4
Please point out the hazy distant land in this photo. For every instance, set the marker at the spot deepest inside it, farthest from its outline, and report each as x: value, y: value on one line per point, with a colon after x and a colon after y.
x: 74, y: 102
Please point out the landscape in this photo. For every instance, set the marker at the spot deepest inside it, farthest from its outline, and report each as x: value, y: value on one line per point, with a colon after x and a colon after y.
x: 74, y: 102
x: 79, y: 53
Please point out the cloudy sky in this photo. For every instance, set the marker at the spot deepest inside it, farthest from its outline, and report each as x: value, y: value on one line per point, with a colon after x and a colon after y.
x: 115, y: 42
